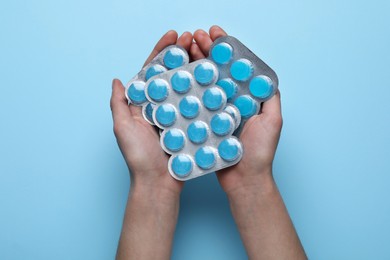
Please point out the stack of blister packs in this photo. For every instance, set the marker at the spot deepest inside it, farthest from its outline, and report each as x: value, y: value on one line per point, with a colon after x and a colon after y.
x: 202, y: 106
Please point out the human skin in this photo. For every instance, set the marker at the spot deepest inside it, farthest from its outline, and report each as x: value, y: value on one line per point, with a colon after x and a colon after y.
x: 153, y: 202
x: 256, y: 204
x: 152, y: 209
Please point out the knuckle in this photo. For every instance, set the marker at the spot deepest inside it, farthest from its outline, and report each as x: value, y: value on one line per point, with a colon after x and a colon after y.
x: 116, y: 130
x: 276, y: 121
x: 118, y: 126
x: 111, y: 104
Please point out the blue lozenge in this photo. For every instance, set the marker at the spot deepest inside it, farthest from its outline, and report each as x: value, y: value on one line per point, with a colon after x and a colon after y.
x: 241, y: 69
x: 189, y: 106
x: 197, y: 132
x: 234, y: 113
x: 222, y: 53
x: 213, y: 98
x: 261, y: 87
x: 229, y: 149
x: 181, y: 81
x: 174, y: 140
x: 205, y: 157
x: 166, y: 115
x: 136, y: 92
x: 246, y: 105
x: 204, y: 73
x: 154, y: 70
x: 221, y: 124
x: 149, y: 112
x: 229, y: 86
x: 174, y: 58
x: 158, y: 90
x: 181, y: 165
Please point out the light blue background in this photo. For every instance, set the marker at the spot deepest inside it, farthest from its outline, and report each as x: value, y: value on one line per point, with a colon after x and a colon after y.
x: 64, y: 184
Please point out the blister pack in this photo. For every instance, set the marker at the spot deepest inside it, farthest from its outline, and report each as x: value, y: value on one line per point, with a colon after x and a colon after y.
x: 196, y: 120
x: 245, y: 78
x: 169, y: 58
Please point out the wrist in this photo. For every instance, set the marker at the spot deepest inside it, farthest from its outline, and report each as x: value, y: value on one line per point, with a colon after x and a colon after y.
x: 155, y: 184
x: 252, y: 185
x: 257, y: 196
x: 150, y: 220
x: 153, y: 194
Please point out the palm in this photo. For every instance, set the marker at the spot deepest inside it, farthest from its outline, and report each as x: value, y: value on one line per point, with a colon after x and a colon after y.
x: 143, y: 151
x: 139, y: 141
x: 140, y: 145
x: 259, y: 137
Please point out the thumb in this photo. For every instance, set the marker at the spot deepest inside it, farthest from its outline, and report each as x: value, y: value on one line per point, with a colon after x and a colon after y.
x: 118, y: 103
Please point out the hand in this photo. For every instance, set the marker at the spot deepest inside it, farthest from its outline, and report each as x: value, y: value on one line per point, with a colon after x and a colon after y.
x: 257, y: 207
x: 259, y: 136
x: 153, y: 203
x: 137, y: 139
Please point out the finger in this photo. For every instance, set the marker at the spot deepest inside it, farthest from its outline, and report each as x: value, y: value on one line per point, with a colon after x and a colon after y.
x: 167, y: 39
x: 203, y: 40
x: 195, y: 52
x: 119, y: 107
x: 272, y: 107
x: 216, y: 32
x: 185, y: 41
